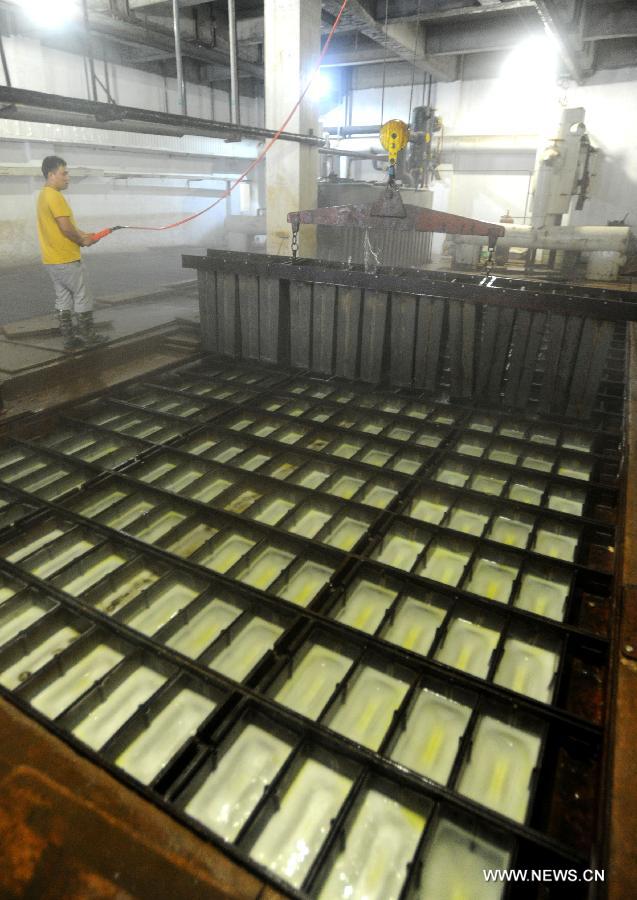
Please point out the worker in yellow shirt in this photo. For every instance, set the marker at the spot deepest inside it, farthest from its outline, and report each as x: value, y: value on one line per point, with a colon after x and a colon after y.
x: 60, y: 242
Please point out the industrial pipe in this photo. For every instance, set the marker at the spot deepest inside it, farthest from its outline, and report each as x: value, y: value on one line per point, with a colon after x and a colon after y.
x: 181, y: 84
x: 479, y: 142
x: 5, y: 65
x: 89, y: 49
x: 355, y: 154
x: 606, y: 247
x: 347, y: 130
x: 491, y: 142
x: 34, y: 106
x: 234, y: 73
x: 580, y: 238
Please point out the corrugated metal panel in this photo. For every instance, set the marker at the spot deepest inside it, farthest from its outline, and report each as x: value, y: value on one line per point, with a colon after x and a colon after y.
x: 484, y: 347
x: 347, y: 244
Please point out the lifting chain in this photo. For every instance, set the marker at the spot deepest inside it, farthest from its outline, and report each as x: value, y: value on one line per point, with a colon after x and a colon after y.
x: 295, y: 241
x: 488, y: 266
x: 368, y: 254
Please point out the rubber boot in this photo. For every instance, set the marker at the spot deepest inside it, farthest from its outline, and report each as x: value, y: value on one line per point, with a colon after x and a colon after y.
x: 86, y: 330
x: 71, y: 341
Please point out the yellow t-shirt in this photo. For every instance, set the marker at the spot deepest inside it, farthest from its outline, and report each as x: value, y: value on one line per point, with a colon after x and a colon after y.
x: 55, y: 247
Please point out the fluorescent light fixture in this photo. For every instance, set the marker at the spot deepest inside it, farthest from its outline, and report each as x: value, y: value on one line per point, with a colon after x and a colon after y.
x: 52, y: 16
x: 321, y: 87
x: 526, y: 96
x: 532, y: 63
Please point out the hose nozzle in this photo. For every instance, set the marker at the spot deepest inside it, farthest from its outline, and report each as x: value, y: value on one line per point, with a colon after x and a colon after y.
x: 98, y: 235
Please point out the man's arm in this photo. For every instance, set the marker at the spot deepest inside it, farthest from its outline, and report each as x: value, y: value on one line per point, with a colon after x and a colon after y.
x: 81, y: 238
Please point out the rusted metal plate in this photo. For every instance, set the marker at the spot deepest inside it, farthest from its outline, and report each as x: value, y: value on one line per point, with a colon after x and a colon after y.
x: 389, y: 203
x: 454, y: 345
x: 468, y: 349
x: 360, y: 325
x: 622, y: 778
x: 497, y: 364
x: 86, y: 374
x: 487, y: 347
x: 300, y: 324
x: 207, y: 285
x: 555, y: 336
x: 248, y: 290
x: 323, y: 317
x: 429, y: 326
x: 19, y: 357
x: 401, y: 216
x: 591, y: 361
x: 69, y: 830
x: 478, y: 289
x: 461, y: 348
x: 523, y: 389
x: 373, y: 333
x: 269, y: 319
x: 517, y: 359
x: 37, y: 325
x: 227, y: 311
x: 568, y: 357
x: 348, y: 313
x: 628, y: 633
x: 403, y: 332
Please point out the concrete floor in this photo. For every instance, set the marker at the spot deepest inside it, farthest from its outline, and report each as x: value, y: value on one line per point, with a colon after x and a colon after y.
x: 27, y: 290
x: 141, y: 335
x: 141, y: 292
x: 122, y: 320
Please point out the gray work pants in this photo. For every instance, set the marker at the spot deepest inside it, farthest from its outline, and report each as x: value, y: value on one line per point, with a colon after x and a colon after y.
x: 70, y: 289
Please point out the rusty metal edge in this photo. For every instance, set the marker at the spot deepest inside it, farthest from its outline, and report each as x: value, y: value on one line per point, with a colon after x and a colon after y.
x: 87, y: 362
x: 45, y: 785
x: 602, y: 305
x: 619, y: 839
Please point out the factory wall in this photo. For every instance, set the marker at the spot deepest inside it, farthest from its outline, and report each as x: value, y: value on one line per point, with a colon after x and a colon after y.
x: 474, y: 183
x: 609, y: 99
x: 492, y: 107
x: 478, y: 184
x: 488, y: 184
x: 170, y: 177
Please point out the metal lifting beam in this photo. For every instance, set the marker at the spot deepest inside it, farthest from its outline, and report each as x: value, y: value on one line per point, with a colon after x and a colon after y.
x: 413, y: 218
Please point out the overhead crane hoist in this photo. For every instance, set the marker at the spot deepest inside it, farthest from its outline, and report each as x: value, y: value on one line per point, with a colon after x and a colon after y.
x: 390, y: 211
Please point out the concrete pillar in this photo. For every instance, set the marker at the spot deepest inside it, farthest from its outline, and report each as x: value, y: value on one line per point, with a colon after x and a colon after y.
x: 292, y: 48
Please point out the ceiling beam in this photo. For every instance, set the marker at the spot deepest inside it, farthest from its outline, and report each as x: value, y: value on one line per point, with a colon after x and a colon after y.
x: 411, y: 10
x: 365, y: 57
x: 610, y: 21
x: 464, y: 37
x: 550, y: 13
x: 251, y: 30
x: 615, y: 54
x: 151, y: 42
x: 142, y: 4
x: 399, y: 39
x: 131, y: 31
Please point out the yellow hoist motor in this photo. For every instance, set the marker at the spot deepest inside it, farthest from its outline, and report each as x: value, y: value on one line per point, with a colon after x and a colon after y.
x: 394, y: 136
